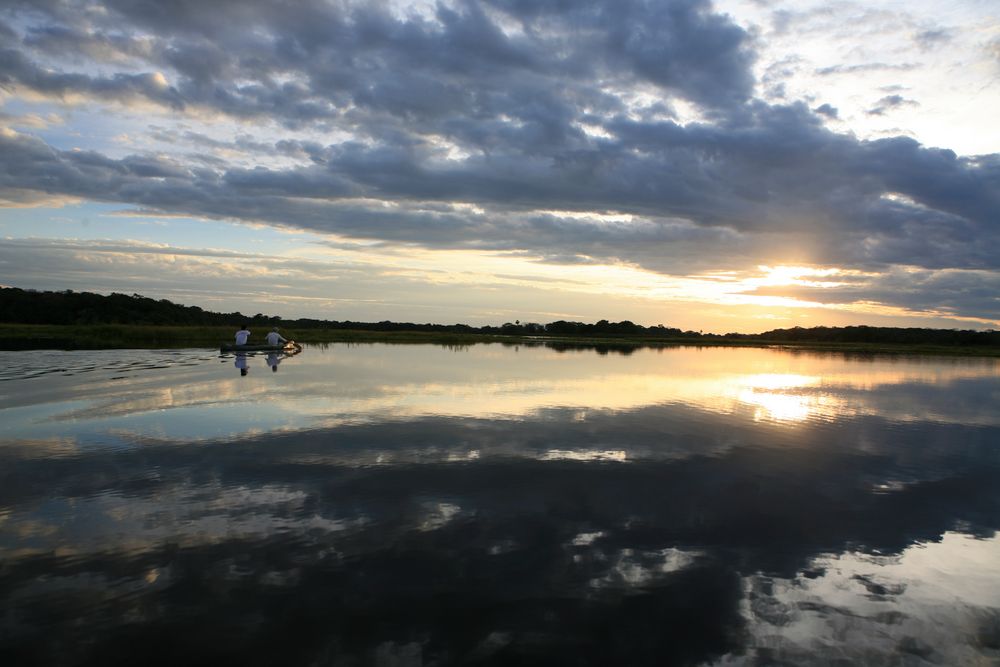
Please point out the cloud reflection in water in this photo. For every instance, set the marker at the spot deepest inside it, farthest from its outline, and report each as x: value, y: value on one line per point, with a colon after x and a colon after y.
x: 494, y: 506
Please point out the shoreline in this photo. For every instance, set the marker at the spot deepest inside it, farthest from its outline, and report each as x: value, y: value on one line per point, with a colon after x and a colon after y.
x: 25, y: 337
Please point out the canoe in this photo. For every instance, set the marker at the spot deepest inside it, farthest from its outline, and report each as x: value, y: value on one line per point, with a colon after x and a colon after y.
x: 233, y: 347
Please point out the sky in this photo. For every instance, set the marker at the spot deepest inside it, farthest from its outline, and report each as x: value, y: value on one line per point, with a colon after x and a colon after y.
x: 740, y: 165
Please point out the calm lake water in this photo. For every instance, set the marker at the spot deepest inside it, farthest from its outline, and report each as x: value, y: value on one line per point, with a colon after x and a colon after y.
x: 425, y: 505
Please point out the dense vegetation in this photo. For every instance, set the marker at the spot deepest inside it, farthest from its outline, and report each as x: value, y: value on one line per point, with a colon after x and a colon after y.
x: 85, y: 308
x: 18, y: 306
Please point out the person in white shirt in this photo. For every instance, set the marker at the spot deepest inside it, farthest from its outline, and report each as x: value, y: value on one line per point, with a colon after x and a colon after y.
x: 242, y: 335
x: 275, y: 338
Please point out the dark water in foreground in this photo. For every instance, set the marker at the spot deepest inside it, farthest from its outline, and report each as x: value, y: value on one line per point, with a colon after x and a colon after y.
x: 418, y: 505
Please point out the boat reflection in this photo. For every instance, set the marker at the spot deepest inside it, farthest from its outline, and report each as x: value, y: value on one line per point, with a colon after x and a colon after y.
x: 272, y: 359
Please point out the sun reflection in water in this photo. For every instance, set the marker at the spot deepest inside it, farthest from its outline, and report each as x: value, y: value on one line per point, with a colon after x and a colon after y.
x: 774, y: 396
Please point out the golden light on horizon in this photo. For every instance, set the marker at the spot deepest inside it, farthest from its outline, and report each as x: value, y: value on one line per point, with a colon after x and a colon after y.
x: 782, y: 275
x: 488, y: 286
x: 718, y: 300
x: 608, y: 278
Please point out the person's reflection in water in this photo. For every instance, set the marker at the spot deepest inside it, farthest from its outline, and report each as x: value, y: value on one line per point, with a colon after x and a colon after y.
x: 273, y: 359
x: 241, y: 362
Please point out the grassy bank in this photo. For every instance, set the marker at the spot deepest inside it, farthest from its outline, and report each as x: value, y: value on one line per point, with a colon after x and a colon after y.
x: 122, y: 336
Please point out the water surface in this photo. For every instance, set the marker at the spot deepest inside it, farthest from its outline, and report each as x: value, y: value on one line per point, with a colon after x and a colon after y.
x: 426, y: 505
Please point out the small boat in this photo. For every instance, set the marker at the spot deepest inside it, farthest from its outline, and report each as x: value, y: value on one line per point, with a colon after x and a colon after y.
x: 287, y: 347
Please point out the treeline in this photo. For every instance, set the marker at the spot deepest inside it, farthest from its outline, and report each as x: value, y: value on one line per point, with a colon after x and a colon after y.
x: 881, y: 335
x: 85, y: 308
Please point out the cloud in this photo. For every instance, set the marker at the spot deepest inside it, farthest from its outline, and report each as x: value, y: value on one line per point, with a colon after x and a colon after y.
x: 890, y: 102
x: 993, y: 49
x: 865, y: 68
x: 327, y: 62
x: 827, y: 110
x: 593, y: 132
x: 933, y: 38
x: 950, y: 293
x: 17, y: 72
x: 323, y: 511
x: 31, y: 120
x: 773, y: 171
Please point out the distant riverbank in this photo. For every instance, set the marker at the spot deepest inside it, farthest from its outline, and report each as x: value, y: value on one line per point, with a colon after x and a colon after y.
x: 124, y: 336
